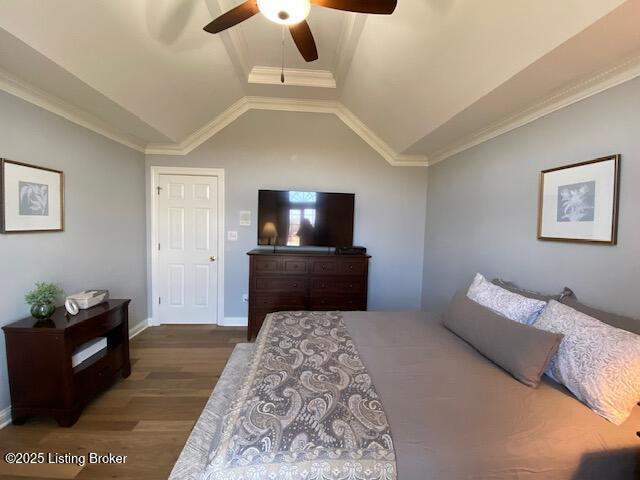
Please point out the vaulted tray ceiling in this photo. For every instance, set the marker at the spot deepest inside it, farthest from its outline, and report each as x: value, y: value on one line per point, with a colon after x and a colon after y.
x: 429, y: 80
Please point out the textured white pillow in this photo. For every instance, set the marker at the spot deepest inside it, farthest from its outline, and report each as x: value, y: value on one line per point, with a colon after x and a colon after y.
x: 508, y: 304
x: 598, y: 363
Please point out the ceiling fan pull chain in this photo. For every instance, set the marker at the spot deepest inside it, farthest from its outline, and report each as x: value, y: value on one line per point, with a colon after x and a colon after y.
x: 282, y: 72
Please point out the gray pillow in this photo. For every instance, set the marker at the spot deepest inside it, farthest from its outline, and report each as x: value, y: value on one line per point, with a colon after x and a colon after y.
x: 625, y: 323
x: 512, y: 287
x: 521, y: 350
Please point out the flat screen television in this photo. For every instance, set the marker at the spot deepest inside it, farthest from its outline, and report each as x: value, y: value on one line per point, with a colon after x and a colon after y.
x: 305, y: 219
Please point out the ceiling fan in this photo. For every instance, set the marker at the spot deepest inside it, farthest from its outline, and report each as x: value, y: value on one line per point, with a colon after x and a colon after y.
x: 293, y: 14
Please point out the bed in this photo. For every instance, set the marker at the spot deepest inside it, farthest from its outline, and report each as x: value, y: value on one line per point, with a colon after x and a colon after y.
x: 451, y: 413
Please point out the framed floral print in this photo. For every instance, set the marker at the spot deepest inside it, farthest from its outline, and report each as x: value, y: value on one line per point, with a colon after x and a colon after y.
x: 31, y: 198
x: 579, y: 203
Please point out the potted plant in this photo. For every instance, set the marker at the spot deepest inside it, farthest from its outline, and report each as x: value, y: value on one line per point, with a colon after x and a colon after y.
x: 42, y: 300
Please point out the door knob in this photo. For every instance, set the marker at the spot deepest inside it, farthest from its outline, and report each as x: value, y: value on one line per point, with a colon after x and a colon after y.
x: 212, y: 259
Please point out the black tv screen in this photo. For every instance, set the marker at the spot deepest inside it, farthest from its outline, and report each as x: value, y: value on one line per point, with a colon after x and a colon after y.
x: 305, y: 219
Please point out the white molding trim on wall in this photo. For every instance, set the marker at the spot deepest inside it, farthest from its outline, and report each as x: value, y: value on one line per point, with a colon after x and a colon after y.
x: 352, y: 28
x: 57, y: 106
x: 5, y: 417
x: 293, y: 77
x: 235, y: 322
x: 154, y: 174
x: 582, y: 90
x: 289, y: 105
x: 139, y: 327
x: 202, y: 135
x: 233, y: 39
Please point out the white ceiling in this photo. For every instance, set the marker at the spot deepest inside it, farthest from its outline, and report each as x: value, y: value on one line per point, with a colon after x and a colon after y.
x: 420, y: 82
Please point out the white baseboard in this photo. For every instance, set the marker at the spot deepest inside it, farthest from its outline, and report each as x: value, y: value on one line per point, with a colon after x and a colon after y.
x: 234, y: 322
x: 5, y: 417
x: 138, y: 328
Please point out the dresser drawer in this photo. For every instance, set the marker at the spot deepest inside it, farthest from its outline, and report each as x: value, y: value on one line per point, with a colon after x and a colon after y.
x: 339, y: 267
x: 337, y: 302
x: 267, y: 265
x: 325, y: 266
x: 280, y: 284
x: 294, y: 265
x: 337, y: 285
x: 353, y: 267
x: 277, y: 302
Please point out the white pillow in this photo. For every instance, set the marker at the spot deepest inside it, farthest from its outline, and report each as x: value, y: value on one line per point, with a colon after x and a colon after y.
x: 508, y: 304
x: 598, y: 363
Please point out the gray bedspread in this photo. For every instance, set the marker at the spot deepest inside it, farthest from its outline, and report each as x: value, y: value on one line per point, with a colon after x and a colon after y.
x: 205, y: 435
x: 306, y: 409
x: 454, y: 415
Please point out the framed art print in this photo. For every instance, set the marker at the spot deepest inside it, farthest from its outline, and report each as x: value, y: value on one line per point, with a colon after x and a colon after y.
x: 579, y: 203
x: 31, y: 198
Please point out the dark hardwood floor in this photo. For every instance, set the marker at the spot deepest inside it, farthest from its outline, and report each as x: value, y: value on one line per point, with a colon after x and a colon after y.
x: 146, y: 417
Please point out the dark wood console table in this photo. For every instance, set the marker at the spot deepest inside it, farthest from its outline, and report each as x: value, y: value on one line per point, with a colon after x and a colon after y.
x: 284, y: 281
x: 41, y: 377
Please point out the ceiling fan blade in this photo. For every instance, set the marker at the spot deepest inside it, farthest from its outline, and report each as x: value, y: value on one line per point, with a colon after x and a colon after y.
x: 303, y: 39
x: 380, y: 7
x: 233, y: 17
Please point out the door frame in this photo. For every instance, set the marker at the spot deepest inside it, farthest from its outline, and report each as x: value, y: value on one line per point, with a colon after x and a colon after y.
x: 155, y: 172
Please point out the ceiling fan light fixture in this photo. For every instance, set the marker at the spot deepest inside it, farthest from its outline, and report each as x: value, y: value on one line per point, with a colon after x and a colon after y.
x: 285, y: 12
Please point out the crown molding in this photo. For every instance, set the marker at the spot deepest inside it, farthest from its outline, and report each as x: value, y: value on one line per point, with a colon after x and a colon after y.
x: 612, y: 77
x: 604, y: 80
x: 57, y: 106
x: 197, y: 138
x: 233, y: 39
x: 289, y: 105
x: 293, y: 77
x: 375, y: 142
x: 350, y: 33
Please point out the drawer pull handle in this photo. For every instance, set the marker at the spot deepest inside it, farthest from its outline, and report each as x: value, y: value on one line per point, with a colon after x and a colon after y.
x: 351, y: 285
x: 295, y: 285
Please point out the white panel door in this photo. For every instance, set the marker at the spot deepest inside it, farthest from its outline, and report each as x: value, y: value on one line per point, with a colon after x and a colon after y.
x: 187, y: 249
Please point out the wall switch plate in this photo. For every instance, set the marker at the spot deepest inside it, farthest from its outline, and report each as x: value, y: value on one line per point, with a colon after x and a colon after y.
x: 245, y: 218
x: 245, y: 297
x: 232, y: 235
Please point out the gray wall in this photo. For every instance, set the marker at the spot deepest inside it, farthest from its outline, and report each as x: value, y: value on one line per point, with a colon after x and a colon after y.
x: 285, y: 150
x: 103, y: 245
x: 482, y: 208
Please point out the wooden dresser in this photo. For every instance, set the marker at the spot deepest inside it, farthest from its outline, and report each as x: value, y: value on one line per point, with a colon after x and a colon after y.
x: 285, y: 281
x: 42, y: 379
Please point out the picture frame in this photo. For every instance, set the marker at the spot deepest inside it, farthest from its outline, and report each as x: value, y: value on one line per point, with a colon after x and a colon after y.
x: 31, y: 198
x: 579, y: 202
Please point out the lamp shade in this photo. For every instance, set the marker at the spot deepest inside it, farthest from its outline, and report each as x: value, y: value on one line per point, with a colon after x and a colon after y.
x: 269, y: 230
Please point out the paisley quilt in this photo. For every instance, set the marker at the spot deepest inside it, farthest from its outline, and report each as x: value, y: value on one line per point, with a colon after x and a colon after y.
x: 307, y: 409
